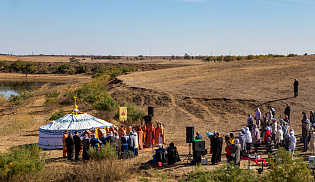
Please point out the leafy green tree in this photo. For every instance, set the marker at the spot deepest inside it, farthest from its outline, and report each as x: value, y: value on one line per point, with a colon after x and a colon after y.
x: 186, y: 56
x: 29, y: 67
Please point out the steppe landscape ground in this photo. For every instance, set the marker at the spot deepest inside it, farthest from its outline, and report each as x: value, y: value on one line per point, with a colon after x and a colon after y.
x: 209, y: 96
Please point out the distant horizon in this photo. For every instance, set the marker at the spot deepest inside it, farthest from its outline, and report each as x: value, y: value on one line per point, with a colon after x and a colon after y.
x: 66, y: 55
x: 156, y: 28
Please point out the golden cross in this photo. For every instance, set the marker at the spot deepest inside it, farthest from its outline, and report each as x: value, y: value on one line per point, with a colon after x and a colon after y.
x: 75, y: 102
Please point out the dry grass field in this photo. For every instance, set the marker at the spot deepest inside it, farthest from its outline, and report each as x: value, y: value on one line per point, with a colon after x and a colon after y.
x: 208, y: 96
x: 218, y: 96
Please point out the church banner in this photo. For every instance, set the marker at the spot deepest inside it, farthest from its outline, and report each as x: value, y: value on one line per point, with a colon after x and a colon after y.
x: 122, y: 113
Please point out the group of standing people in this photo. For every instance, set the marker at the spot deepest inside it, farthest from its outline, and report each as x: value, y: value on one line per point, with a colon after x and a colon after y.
x: 128, y: 140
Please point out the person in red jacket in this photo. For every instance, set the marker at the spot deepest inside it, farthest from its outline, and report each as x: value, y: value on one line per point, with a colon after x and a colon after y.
x: 267, y: 134
x: 229, y: 146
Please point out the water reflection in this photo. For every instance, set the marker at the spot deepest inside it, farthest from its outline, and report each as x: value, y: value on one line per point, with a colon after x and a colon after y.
x: 9, y: 88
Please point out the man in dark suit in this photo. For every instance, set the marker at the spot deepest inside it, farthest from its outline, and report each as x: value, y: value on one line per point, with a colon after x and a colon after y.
x: 77, y: 144
x: 70, y: 143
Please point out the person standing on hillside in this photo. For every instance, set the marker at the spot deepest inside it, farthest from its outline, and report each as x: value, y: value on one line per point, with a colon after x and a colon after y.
x: 216, y: 148
x: 236, y: 150
x: 258, y: 117
x: 77, y: 144
x: 292, y: 142
x: 256, y: 138
x: 296, y: 87
x: 70, y: 143
x: 287, y: 111
x: 64, y: 137
x: 305, y: 131
x: 86, y: 147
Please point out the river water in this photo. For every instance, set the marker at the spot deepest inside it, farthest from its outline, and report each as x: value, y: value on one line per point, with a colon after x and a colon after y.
x: 8, y: 88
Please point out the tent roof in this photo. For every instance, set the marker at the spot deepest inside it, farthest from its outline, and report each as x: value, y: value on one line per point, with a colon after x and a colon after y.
x: 75, y: 122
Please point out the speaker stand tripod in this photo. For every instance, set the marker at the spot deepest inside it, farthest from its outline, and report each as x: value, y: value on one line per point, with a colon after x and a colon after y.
x: 189, y: 155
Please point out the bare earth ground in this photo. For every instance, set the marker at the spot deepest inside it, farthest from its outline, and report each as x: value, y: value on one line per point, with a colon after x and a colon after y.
x: 208, y: 96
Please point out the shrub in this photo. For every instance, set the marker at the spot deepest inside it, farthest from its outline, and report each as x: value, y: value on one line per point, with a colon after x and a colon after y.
x: 58, y: 114
x: 20, y: 160
x: 292, y: 55
x: 43, y: 70
x: 53, y: 93
x: 18, y: 65
x: 107, y: 104
x: 64, y: 68
x: 134, y: 114
x: 22, y: 96
x: 49, y: 101
x: 82, y: 68
x: 3, y: 99
x: 106, y: 151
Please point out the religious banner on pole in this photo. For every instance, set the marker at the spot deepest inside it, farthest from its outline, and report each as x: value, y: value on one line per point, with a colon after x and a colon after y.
x: 122, y: 113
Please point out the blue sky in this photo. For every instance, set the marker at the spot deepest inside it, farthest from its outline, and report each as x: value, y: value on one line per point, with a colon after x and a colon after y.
x: 162, y: 27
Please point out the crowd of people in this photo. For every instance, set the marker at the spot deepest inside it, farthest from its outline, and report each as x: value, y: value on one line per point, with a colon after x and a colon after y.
x: 264, y: 129
x: 126, y: 141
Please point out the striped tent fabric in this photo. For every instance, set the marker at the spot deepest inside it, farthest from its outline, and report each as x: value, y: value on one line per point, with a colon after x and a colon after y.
x: 50, y: 135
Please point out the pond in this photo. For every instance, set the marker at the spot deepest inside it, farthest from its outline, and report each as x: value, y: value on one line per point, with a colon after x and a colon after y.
x: 8, y: 88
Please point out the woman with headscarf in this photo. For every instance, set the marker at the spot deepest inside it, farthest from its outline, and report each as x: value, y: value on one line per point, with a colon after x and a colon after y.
x: 293, y: 142
x: 267, y: 134
x: 116, y: 140
x: 270, y: 116
x: 279, y: 137
x: 258, y: 117
x: 86, y: 147
x: 242, y: 141
x: 274, y: 129
x: 124, y: 145
x: 236, y: 150
x: 256, y: 138
x: 248, y: 140
x: 133, y: 144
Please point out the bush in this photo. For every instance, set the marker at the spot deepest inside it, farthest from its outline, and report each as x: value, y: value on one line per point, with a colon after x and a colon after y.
x: 106, y: 151
x: 53, y: 93
x: 292, y: 55
x: 18, y: 65
x: 58, y: 114
x: 64, y: 68
x: 107, y: 104
x: 22, y: 96
x: 82, y: 68
x: 134, y: 114
x: 20, y: 160
x: 50, y: 101
x: 43, y: 70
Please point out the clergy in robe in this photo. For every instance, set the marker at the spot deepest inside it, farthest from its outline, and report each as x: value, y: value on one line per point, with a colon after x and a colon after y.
x: 216, y: 148
x: 121, y: 130
x: 144, y: 129
x: 159, y: 134
x: 140, y: 138
x: 65, y: 135
x: 150, y: 133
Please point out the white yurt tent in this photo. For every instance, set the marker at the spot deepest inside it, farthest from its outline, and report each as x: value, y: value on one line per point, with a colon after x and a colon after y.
x: 50, y: 135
